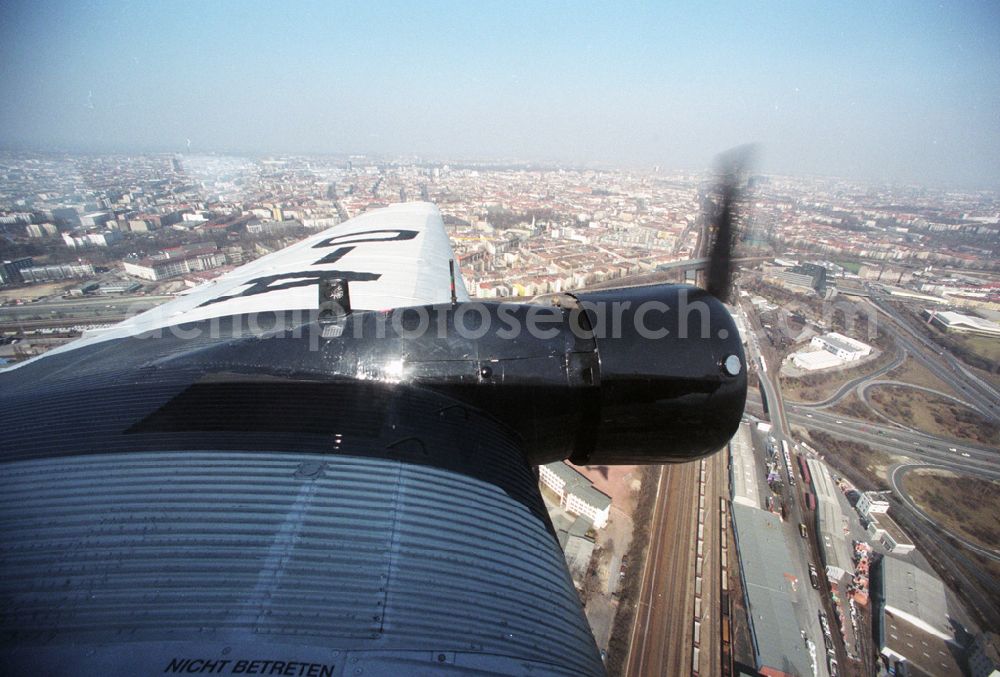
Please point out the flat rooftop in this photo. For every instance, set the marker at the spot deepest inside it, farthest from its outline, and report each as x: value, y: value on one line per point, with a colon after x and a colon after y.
x: 831, y: 522
x: 913, y: 618
x: 890, y: 527
x: 822, y: 480
x: 928, y: 653
x: 960, y: 320
x: 577, y: 483
x: 916, y: 595
x: 844, y: 342
x: 744, y: 468
x: 765, y: 564
x: 816, y: 359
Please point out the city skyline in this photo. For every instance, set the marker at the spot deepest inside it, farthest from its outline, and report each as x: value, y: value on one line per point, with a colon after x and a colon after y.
x: 866, y: 321
x: 902, y: 93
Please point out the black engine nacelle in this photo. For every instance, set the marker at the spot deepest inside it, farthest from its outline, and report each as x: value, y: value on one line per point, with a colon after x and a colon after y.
x: 643, y: 375
x: 672, y: 375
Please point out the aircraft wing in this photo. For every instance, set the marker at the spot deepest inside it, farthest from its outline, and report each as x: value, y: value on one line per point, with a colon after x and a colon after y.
x: 323, y: 463
x: 218, y: 500
x: 392, y: 258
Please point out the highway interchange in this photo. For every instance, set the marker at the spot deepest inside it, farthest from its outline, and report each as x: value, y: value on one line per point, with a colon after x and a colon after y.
x: 921, y: 450
x: 941, y: 363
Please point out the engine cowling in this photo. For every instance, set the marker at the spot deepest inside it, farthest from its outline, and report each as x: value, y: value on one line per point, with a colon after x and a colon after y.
x: 643, y: 375
x: 672, y: 377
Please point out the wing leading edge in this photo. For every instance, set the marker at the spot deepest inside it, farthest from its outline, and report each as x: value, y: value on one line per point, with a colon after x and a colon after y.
x: 229, y: 505
x: 393, y: 257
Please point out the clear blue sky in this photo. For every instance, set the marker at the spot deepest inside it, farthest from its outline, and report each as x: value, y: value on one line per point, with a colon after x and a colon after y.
x: 891, y: 90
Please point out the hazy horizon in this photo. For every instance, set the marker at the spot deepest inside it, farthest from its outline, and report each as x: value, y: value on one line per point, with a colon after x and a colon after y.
x: 901, y: 92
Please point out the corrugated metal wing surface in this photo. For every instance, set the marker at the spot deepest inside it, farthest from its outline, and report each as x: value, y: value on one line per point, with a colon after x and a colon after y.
x: 355, y: 554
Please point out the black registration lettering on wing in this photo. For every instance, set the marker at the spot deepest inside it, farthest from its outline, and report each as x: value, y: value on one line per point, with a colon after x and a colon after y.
x: 340, y: 241
x: 269, y: 283
x: 335, y: 255
x: 358, y: 238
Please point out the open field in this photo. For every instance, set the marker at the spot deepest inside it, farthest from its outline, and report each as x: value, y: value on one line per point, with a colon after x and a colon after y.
x: 37, y: 290
x: 913, y: 372
x: 964, y: 505
x: 853, y: 407
x: 934, y: 414
x: 985, y: 346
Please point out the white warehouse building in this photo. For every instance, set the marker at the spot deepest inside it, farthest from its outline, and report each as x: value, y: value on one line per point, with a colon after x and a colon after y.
x: 815, y: 360
x: 844, y: 347
x: 576, y: 493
